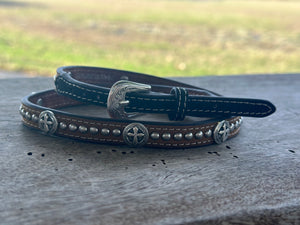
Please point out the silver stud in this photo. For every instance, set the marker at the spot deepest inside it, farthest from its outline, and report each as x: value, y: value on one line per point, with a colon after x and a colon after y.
x: 221, y: 132
x: 237, y: 124
x: 155, y: 136
x: 94, y: 130
x: 178, y: 136
x: 28, y: 115
x: 188, y: 136
x: 232, y: 126
x: 22, y: 111
x: 208, y: 133
x: 62, y: 125
x: 72, y: 127
x: 241, y: 121
x: 47, y: 122
x: 116, y: 132
x: 105, y: 131
x: 34, y: 118
x: 39, y: 102
x: 199, y: 135
x: 82, y: 129
x: 166, y: 136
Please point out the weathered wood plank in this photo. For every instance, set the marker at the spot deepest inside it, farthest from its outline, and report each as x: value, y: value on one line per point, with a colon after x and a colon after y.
x: 252, y: 179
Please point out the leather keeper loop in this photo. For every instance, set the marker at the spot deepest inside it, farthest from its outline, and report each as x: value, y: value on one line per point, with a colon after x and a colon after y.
x: 181, y: 96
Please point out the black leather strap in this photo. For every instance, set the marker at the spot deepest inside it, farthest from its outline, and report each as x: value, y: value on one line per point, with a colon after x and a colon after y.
x: 92, y: 85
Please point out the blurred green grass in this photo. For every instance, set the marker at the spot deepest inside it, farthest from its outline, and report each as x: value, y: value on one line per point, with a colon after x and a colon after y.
x: 161, y: 37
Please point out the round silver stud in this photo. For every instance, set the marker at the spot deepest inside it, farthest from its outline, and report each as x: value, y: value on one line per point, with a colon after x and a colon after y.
x: 94, y: 130
x: 232, y: 126
x: 199, y: 135
x: 47, y: 122
x: 62, y: 125
x: 22, y: 111
x: 155, y: 136
x: 166, y: 136
x: 72, y: 127
x: 82, y: 129
x: 105, y: 131
x: 34, y: 118
x: 208, y: 133
x: 178, y: 136
x: 241, y: 121
x: 116, y: 132
x: 221, y: 132
x: 27, y: 115
x: 237, y: 124
x: 188, y: 136
x: 135, y: 134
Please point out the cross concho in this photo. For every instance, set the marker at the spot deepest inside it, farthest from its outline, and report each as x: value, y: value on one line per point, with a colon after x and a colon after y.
x: 221, y: 132
x: 47, y: 122
x: 135, y: 134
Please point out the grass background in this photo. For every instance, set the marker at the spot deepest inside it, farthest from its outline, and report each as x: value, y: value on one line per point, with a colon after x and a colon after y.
x: 161, y: 37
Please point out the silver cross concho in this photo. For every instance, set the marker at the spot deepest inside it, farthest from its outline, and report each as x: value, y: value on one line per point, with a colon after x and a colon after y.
x: 135, y: 134
x: 221, y: 132
x: 47, y: 122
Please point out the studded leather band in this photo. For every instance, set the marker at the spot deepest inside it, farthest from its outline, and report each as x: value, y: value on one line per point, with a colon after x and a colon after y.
x: 149, y: 94
x: 46, y: 111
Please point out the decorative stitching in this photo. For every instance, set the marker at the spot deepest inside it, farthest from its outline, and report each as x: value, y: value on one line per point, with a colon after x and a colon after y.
x: 32, y: 110
x: 79, y: 87
x: 181, y: 144
x: 163, y: 100
x: 98, y: 92
x: 82, y: 88
x: 80, y: 121
x: 154, y: 99
x: 90, y: 123
x: 149, y: 109
x: 79, y: 97
x: 181, y: 129
x: 231, y: 102
x: 30, y: 123
x: 120, y: 125
x: 92, y: 138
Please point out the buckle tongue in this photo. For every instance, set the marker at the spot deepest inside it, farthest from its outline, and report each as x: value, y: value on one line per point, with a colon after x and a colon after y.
x: 116, y: 101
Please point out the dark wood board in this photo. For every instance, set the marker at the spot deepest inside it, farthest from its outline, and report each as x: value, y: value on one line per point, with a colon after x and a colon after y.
x: 253, y: 178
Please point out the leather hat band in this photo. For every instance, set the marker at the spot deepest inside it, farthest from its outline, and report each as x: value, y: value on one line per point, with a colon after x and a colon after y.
x: 140, y: 93
x: 47, y: 111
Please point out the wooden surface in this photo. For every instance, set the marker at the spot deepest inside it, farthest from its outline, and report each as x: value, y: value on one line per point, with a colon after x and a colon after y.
x: 251, y: 179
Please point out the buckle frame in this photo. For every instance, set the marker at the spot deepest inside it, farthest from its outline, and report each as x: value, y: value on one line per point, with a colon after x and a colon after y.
x: 116, y: 101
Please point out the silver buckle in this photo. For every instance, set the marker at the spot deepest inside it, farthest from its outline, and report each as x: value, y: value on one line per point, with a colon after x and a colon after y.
x: 116, y: 101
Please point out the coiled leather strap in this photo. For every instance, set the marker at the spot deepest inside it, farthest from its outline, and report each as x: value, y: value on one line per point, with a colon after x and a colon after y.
x: 92, y: 85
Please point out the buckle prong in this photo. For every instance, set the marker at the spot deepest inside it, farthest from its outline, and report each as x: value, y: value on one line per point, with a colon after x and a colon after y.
x: 116, y: 101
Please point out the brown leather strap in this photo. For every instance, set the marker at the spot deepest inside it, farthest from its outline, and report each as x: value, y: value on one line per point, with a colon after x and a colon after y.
x: 44, y: 111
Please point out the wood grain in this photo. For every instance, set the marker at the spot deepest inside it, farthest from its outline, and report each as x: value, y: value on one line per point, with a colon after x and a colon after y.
x: 251, y: 179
